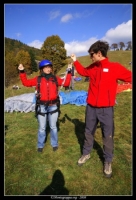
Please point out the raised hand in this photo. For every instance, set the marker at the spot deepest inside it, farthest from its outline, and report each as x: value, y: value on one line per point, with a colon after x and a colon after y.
x: 21, y: 67
x: 73, y: 57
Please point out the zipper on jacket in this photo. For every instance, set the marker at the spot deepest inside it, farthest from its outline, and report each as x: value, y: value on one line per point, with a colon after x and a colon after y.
x: 48, y: 89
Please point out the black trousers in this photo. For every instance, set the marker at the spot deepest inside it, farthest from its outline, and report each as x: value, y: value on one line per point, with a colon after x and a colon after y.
x: 105, y: 116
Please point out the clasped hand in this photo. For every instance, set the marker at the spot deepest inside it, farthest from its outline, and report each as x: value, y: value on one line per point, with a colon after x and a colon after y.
x: 73, y: 57
x: 21, y: 67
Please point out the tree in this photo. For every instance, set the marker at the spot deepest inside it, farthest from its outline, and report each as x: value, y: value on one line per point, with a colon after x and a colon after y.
x: 33, y: 62
x: 114, y: 46
x: 53, y: 50
x: 129, y: 45
x: 121, y: 44
x: 24, y: 58
x: 10, y: 68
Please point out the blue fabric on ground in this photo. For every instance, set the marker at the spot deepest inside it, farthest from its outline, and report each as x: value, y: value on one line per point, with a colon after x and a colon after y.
x: 78, y: 79
x: 26, y: 102
x: 74, y: 97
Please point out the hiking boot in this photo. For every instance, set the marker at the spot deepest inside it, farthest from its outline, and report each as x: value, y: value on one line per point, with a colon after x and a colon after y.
x: 55, y: 148
x: 40, y: 150
x: 107, y: 169
x: 83, y: 159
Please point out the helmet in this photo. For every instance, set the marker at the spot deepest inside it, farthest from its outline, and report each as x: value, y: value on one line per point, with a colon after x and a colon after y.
x: 44, y: 63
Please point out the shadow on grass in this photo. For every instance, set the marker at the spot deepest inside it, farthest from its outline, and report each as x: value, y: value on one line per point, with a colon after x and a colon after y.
x: 57, y: 185
x: 6, y: 128
x: 79, y: 131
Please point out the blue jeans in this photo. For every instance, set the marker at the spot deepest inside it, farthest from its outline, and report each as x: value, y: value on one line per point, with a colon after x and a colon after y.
x: 42, y: 120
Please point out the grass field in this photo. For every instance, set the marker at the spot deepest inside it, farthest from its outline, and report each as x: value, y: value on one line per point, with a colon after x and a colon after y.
x: 28, y: 172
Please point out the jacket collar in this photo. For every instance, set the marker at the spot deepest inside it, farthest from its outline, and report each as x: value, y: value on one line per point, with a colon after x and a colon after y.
x: 102, y: 62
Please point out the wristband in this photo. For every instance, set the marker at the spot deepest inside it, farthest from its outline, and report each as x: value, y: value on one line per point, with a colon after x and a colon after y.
x: 21, y: 71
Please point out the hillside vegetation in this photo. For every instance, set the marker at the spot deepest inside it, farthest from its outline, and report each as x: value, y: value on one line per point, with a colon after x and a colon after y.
x: 52, y: 49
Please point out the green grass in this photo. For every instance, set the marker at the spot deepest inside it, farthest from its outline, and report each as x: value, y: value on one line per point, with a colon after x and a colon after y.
x: 28, y: 172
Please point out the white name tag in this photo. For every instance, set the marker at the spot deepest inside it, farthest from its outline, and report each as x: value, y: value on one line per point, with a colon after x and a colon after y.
x: 105, y: 70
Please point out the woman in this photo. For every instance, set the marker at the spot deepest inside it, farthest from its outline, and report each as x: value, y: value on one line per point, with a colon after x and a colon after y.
x: 47, y: 102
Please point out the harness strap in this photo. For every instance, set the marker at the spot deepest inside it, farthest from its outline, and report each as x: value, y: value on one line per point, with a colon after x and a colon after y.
x: 48, y: 102
x: 43, y: 114
x: 57, y: 110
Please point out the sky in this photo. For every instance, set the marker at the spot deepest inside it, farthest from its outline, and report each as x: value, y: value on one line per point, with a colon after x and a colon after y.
x: 77, y: 25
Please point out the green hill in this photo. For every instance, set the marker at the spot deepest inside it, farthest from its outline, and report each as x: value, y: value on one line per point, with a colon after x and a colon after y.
x: 16, y: 45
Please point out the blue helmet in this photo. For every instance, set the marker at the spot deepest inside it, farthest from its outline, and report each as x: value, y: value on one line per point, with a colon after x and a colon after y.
x: 44, y: 63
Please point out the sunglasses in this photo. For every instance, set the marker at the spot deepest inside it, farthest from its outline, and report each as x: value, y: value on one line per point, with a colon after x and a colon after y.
x: 91, y: 54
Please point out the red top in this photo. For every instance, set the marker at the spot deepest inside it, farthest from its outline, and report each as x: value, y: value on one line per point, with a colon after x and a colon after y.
x: 104, y: 76
x: 48, y: 88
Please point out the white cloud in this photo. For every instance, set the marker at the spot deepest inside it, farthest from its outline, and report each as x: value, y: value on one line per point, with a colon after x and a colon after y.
x: 36, y: 44
x: 66, y: 18
x: 77, y: 15
x: 54, y: 14
x: 121, y: 33
x: 79, y: 48
x: 18, y: 34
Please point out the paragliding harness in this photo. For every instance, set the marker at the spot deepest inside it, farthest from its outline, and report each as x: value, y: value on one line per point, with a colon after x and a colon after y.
x: 46, y: 103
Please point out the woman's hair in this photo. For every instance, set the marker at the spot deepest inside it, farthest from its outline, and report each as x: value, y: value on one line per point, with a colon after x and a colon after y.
x: 102, y: 46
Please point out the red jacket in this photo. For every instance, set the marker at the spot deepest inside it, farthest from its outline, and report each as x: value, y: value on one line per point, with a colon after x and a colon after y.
x: 104, y: 78
x: 48, y: 88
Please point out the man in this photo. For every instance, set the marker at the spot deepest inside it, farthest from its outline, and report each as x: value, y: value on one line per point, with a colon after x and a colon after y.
x: 104, y: 76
